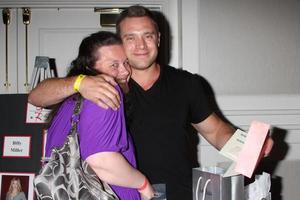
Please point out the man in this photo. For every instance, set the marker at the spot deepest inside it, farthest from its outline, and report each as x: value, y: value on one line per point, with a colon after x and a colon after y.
x: 163, y: 103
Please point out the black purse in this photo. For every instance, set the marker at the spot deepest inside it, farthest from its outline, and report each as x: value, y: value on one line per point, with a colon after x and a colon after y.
x: 66, y: 176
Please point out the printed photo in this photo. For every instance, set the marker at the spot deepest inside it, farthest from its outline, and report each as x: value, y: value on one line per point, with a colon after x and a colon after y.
x: 16, y: 186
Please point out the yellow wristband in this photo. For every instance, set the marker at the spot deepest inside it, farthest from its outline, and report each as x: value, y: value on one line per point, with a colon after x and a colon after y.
x: 77, y: 83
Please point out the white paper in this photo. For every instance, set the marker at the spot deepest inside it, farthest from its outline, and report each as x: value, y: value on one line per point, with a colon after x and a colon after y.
x: 36, y: 114
x: 234, y: 145
x: 231, y: 150
x: 260, y: 188
x: 16, y: 146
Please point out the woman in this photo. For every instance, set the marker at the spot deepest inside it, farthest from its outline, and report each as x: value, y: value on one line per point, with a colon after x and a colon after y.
x: 15, y: 190
x: 104, y: 141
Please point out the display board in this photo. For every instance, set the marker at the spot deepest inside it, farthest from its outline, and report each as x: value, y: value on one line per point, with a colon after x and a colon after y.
x: 21, y: 140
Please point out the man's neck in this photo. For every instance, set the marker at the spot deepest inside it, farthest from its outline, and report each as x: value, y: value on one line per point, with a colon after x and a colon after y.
x: 146, y: 77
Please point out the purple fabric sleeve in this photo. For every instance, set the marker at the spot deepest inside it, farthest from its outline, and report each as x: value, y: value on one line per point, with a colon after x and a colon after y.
x: 101, y: 130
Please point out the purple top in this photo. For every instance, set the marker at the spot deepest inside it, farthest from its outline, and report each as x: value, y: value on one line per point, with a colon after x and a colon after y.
x: 100, y: 130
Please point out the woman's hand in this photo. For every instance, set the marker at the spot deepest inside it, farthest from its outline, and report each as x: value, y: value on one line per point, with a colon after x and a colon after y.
x: 147, y: 193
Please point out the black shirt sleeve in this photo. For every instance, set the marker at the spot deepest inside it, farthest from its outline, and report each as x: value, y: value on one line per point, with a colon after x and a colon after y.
x: 200, y: 108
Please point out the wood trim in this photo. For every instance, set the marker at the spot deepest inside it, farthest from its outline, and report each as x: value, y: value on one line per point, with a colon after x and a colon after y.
x: 77, y: 3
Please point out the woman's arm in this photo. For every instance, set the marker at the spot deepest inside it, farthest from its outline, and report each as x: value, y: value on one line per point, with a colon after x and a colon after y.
x: 113, y: 168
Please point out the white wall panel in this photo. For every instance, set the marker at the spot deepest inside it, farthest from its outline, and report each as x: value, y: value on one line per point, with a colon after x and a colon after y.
x: 282, y: 112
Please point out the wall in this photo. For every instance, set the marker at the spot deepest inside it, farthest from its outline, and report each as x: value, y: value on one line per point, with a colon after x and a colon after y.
x: 239, y: 40
x: 54, y: 23
x: 249, y: 53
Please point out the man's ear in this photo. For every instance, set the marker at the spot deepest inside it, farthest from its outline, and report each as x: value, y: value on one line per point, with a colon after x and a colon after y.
x: 158, y: 39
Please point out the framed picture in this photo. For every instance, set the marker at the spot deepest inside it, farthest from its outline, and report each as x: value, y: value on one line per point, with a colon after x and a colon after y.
x: 36, y: 115
x: 20, y: 183
x: 16, y: 146
x: 45, y: 131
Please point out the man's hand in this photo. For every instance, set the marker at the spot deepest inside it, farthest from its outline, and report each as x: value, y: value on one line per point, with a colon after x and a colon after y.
x: 101, y: 90
x: 267, y: 147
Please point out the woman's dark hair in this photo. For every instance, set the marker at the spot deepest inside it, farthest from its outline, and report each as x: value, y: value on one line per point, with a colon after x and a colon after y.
x: 136, y: 11
x: 87, y: 57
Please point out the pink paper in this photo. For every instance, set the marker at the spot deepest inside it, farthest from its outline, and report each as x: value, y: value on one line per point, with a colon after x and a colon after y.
x: 249, y: 155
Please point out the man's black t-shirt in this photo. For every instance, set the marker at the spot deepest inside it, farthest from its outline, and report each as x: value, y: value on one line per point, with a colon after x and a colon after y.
x: 158, y: 120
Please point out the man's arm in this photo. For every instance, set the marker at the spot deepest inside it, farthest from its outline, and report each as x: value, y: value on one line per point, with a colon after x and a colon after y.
x: 51, y: 91
x: 99, y: 89
x: 217, y: 133
x: 215, y: 130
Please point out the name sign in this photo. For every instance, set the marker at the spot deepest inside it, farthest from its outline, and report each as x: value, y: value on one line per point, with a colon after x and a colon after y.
x: 16, y: 146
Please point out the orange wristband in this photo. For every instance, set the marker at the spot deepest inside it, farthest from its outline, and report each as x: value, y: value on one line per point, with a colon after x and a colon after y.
x: 145, y: 184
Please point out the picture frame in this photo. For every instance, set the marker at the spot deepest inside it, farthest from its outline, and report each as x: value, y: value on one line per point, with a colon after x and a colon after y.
x: 45, y: 132
x: 25, y: 179
x: 36, y: 115
x: 16, y: 146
